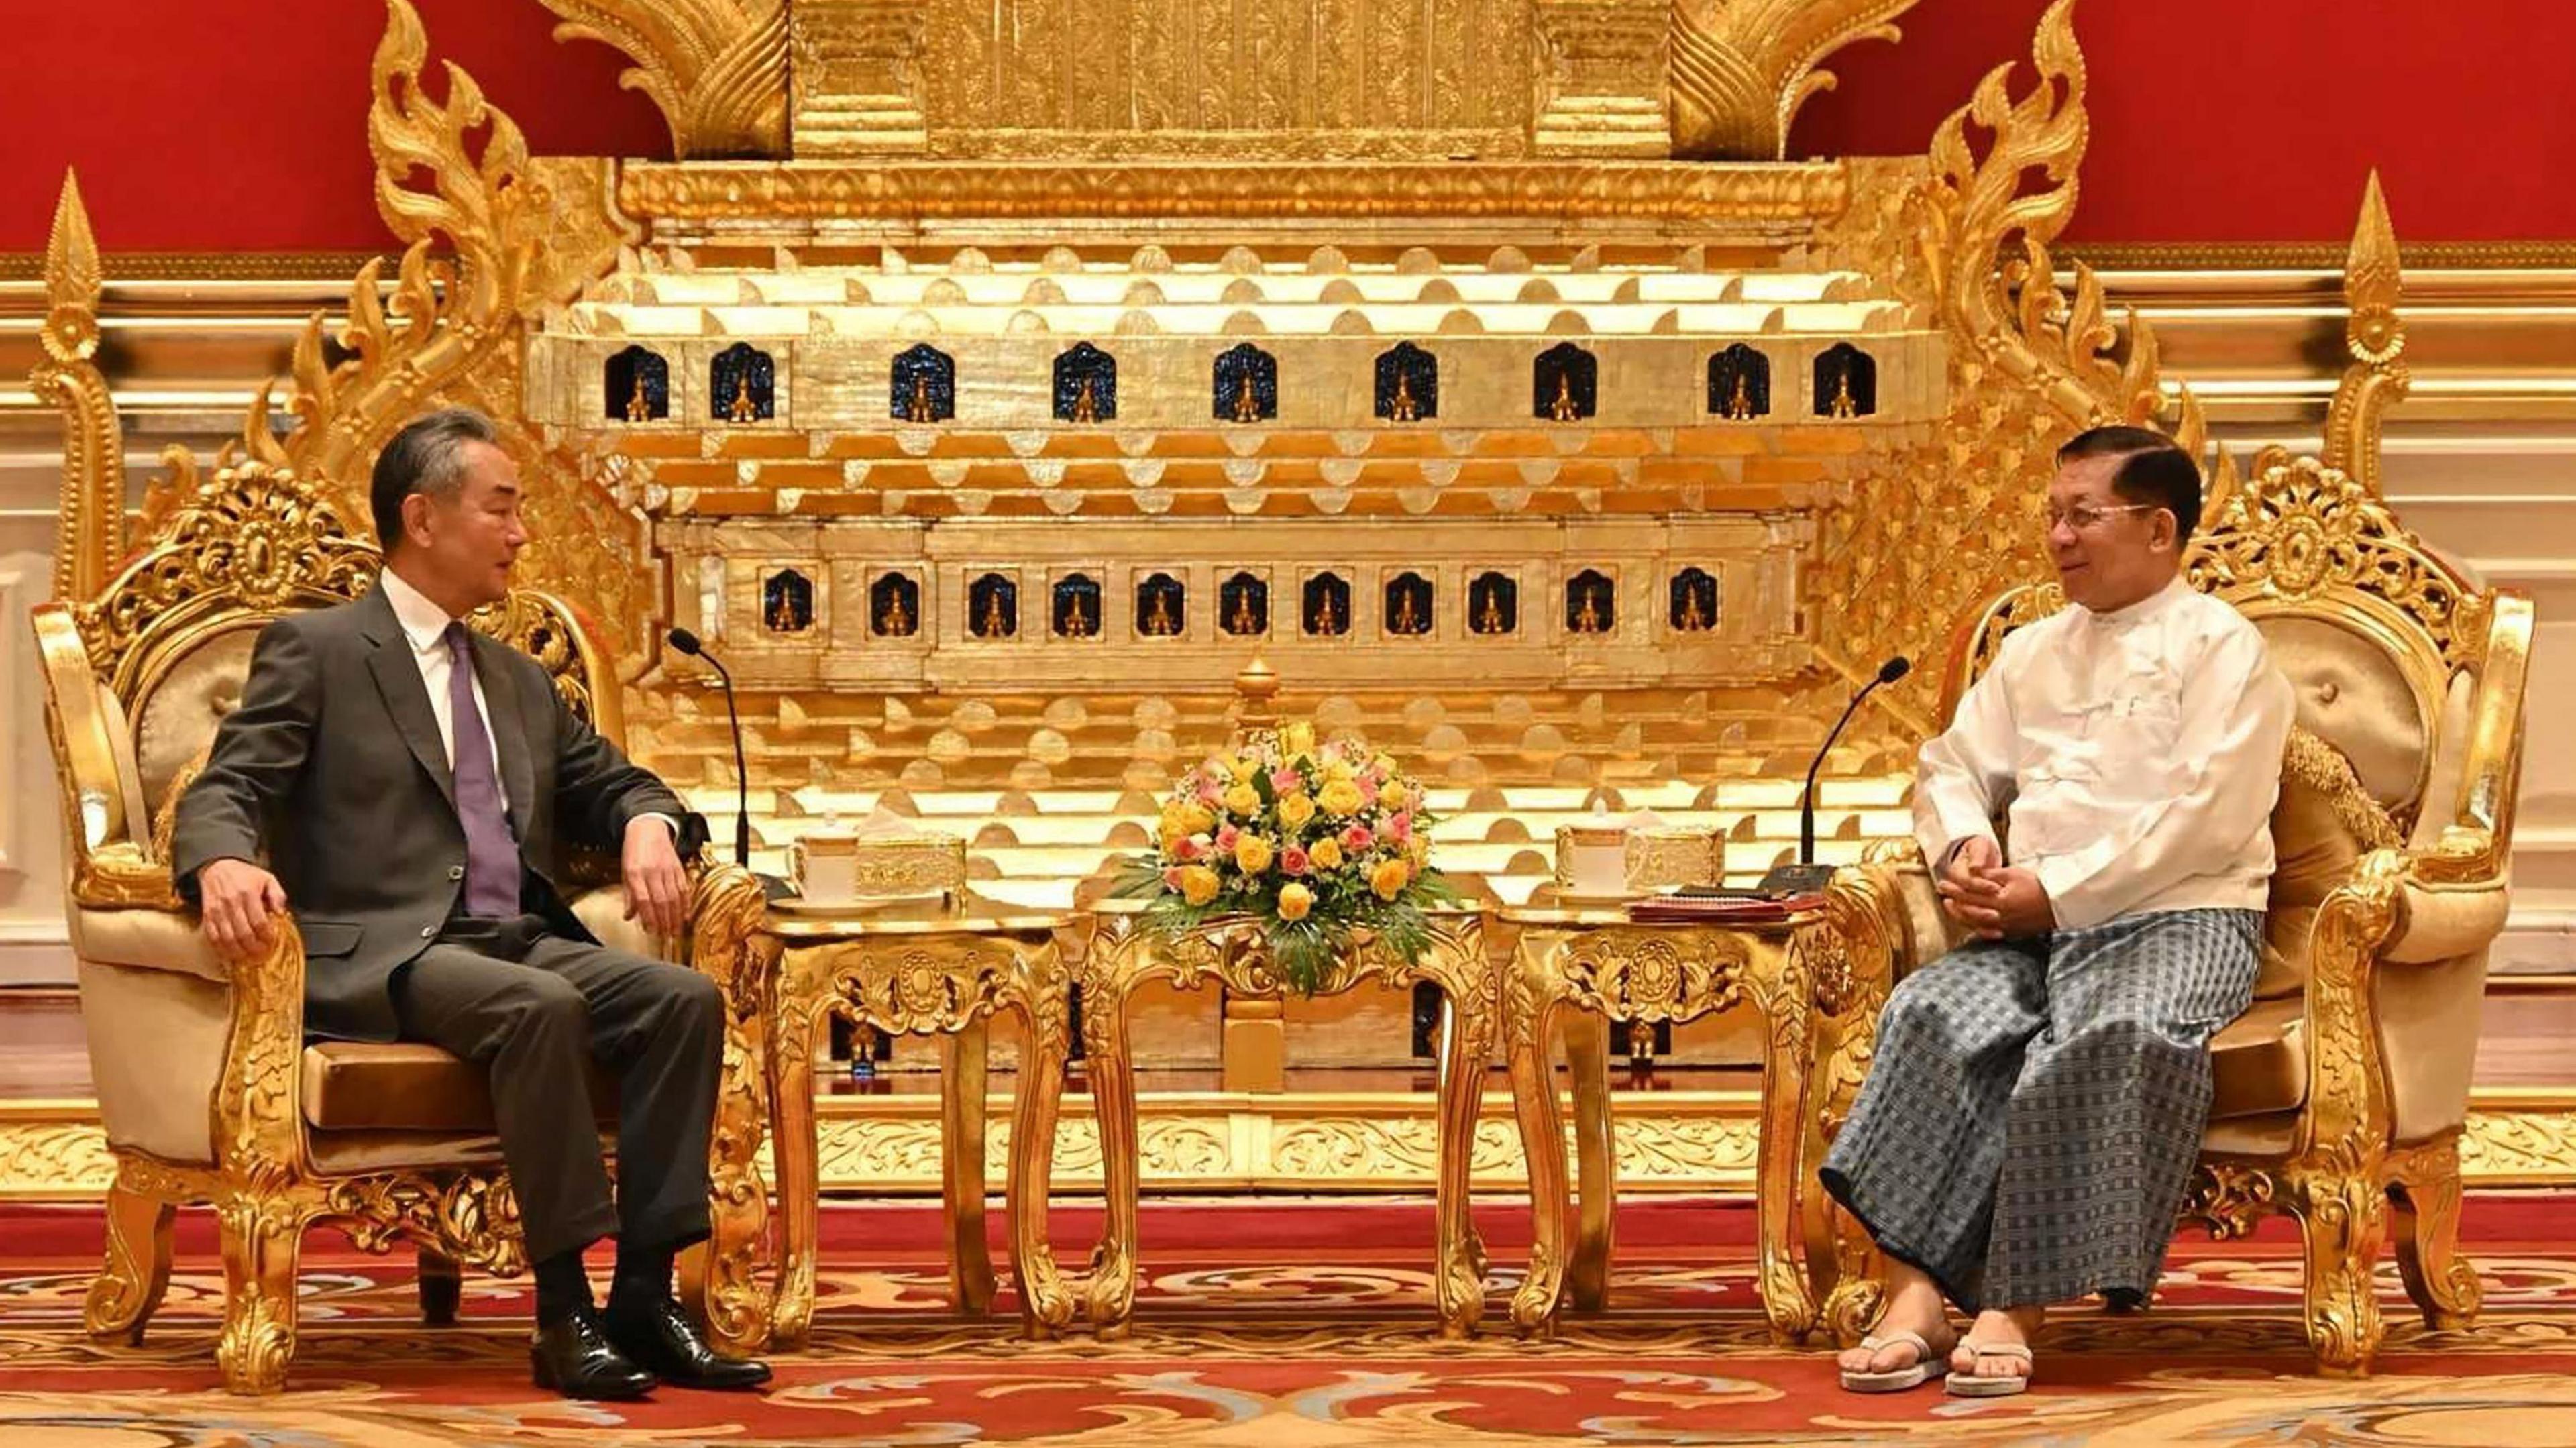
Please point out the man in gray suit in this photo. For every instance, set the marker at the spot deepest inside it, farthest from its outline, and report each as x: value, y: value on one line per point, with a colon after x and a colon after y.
x: 409, y: 782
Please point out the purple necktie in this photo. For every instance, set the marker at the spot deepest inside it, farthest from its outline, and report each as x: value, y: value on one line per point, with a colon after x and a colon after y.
x: 491, y: 853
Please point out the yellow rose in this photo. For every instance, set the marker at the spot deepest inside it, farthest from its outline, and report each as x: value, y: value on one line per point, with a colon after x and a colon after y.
x: 1197, y: 819
x: 1294, y: 901
x: 1340, y: 797
x: 1392, y: 796
x: 1198, y: 884
x: 1252, y: 854
x: 1242, y: 799
x: 1389, y: 878
x: 1295, y: 810
x: 1326, y: 855
x: 1339, y: 769
x: 1299, y: 738
x: 1242, y: 767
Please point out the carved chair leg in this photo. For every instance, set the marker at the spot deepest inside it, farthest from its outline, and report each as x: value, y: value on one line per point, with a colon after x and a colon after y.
x: 442, y: 1287
x: 261, y: 1235
x: 2443, y: 1283
x: 137, y: 1268
x: 2341, y: 1218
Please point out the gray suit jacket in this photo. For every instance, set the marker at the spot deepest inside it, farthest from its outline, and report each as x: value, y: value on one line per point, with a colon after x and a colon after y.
x: 334, y: 766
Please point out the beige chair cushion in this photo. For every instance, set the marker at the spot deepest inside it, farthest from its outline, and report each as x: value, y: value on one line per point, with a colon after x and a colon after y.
x: 175, y: 719
x: 2261, y: 1061
x: 2353, y: 695
x: 403, y: 1086
x: 156, y: 1052
x: 2323, y: 822
x: 138, y: 816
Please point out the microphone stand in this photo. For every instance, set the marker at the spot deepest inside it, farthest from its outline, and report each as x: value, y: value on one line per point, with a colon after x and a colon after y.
x: 1806, y: 876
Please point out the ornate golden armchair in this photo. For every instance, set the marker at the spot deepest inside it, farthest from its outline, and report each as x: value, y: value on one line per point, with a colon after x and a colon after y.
x: 206, y: 1086
x: 2341, y: 1093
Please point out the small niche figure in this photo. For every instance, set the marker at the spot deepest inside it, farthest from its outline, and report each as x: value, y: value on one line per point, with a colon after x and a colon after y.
x: 1406, y: 621
x: 1243, y: 620
x: 1077, y: 625
x: 1086, y: 403
x: 638, y: 407
x: 1587, y: 620
x: 742, y: 409
x: 895, y: 622
x: 917, y: 407
x: 1739, y: 403
x: 1403, y: 408
x: 994, y: 625
x: 1246, y: 408
x: 1842, y: 404
x: 1489, y: 619
x: 1562, y: 408
x: 1323, y: 621
x: 1159, y: 622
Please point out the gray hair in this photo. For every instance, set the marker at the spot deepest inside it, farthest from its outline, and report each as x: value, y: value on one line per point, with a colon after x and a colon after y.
x: 426, y: 457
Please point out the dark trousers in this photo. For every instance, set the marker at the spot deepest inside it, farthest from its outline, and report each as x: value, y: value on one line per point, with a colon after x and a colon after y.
x: 533, y: 1010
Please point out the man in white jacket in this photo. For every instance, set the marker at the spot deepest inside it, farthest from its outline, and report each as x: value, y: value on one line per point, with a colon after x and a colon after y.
x: 2038, y: 1095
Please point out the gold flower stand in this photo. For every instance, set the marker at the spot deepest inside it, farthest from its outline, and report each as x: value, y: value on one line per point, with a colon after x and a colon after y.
x: 943, y: 967
x: 1593, y: 963
x: 1233, y: 953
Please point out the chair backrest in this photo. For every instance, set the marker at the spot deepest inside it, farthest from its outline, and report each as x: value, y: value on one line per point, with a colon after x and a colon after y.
x: 138, y: 678
x: 2408, y: 676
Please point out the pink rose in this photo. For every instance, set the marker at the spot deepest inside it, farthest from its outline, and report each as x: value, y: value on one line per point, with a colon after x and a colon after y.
x: 1226, y: 837
x: 1211, y: 796
x: 1368, y: 789
x: 1172, y: 878
x: 1284, y: 779
x: 1189, y: 847
x: 1397, y: 827
x: 1293, y: 860
x: 1357, y: 839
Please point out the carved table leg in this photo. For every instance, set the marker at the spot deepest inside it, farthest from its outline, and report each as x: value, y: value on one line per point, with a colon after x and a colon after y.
x: 962, y: 1062
x: 261, y: 1235
x: 791, y: 1096
x: 1466, y: 1046
x: 1587, y: 1059
x: 136, y: 1270
x: 1113, y: 1099
x: 1046, y: 1302
x: 442, y: 1286
x: 1526, y: 1025
x: 1786, y: 1044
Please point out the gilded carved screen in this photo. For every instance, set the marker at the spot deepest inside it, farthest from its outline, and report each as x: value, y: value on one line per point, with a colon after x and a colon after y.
x: 1388, y: 77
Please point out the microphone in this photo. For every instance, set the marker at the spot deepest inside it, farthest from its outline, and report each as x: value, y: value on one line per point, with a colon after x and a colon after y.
x: 1807, y: 875
x: 687, y: 643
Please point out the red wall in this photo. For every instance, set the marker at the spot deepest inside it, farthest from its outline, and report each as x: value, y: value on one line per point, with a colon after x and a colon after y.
x: 240, y: 125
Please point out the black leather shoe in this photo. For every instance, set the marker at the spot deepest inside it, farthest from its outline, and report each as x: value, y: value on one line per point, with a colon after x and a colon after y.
x: 662, y: 1339
x: 574, y: 1357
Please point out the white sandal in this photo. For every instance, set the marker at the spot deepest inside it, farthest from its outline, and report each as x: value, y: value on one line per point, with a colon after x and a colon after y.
x: 1972, y: 1385
x: 1894, y: 1380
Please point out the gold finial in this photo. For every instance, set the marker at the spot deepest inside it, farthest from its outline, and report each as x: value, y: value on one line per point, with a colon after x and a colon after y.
x: 89, y: 535
x: 994, y: 625
x: 1159, y: 623
x: 1588, y: 621
x: 74, y: 277
x: 1246, y: 409
x: 1403, y: 408
x: 743, y: 409
x: 896, y: 620
x: 917, y: 407
x: 1243, y: 620
x: 1843, y: 405
x: 1256, y: 692
x: 1490, y: 620
x: 782, y: 614
x: 1406, y: 620
x: 639, y: 408
x: 1322, y: 621
x: 1739, y: 405
x: 1562, y: 409
x: 2375, y: 338
x: 1086, y: 404
x: 1076, y: 625
x: 1693, y: 621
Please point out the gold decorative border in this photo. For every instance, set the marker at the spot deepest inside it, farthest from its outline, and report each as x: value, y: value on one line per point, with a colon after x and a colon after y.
x: 1318, y: 1142
x: 2325, y: 256
x: 334, y: 267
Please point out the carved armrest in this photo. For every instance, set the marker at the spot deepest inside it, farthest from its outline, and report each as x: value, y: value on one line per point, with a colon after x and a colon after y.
x: 1888, y: 913
x: 148, y: 938
x: 727, y: 942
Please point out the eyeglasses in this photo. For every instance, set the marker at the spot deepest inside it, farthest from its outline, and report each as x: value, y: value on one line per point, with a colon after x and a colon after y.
x: 2084, y: 517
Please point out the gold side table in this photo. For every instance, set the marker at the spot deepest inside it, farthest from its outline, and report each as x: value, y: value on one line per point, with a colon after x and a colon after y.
x: 1233, y: 953
x: 929, y: 968
x: 1596, y: 962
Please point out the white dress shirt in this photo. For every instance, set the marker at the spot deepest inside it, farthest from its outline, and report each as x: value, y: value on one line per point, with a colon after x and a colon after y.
x: 424, y: 624
x: 2136, y: 756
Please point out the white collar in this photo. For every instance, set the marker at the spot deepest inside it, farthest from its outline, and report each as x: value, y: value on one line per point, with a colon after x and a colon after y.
x: 2145, y: 608
x: 423, y: 622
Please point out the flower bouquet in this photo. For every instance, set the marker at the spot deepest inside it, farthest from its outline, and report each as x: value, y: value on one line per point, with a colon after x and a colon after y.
x: 1316, y: 844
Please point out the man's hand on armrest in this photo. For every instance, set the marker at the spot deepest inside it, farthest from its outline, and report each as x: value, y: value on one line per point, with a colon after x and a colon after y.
x: 657, y: 887
x: 238, y: 906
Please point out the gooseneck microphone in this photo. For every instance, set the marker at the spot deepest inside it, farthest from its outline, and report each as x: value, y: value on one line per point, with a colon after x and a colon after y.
x: 687, y: 643
x: 1807, y: 875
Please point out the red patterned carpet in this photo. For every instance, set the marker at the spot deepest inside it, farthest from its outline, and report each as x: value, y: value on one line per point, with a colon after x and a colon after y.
x: 1301, y: 1323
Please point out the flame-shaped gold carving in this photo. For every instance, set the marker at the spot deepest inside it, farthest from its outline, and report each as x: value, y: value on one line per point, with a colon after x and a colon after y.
x: 717, y: 68
x: 1740, y: 69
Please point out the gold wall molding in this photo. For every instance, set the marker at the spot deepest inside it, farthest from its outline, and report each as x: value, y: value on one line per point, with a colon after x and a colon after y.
x: 2317, y: 256
x: 1681, y: 1141
x: 718, y: 69
x: 1327, y: 195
